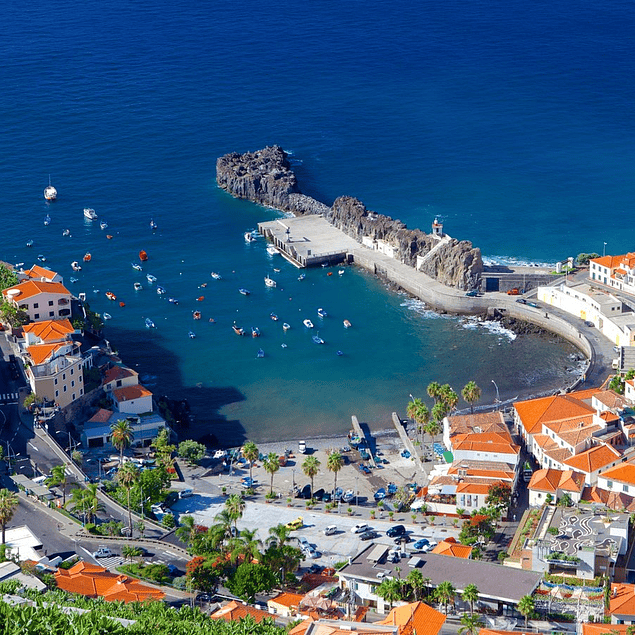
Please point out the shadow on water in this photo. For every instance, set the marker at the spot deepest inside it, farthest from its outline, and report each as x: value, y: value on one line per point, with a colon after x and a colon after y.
x: 159, y: 371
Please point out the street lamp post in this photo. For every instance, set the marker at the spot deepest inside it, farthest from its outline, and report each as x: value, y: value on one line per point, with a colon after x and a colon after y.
x: 604, y: 250
x: 497, y: 395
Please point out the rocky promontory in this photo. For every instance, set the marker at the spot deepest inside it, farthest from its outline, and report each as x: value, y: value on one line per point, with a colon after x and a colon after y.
x: 266, y: 177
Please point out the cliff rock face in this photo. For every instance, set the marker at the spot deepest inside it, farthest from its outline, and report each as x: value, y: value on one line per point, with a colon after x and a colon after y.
x: 265, y: 177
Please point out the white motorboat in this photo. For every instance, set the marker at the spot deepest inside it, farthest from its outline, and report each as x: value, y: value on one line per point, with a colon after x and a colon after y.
x: 107, y: 316
x: 271, y: 250
x: 249, y: 237
x: 322, y: 313
x: 317, y: 339
x: 136, y: 266
x: 75, y: 266
x: 341, y: 272
x: 270, y: 282
x: 90, y: 213
x: 307, y: 323
x: 66, y: 232
x: 137, y: 286
x: 301, y: 277
x: 243, y: 291
x: 150, y: 324
x: 160, y: 290
x: 103, y: 224
x: 347, y: 324
x: 286, y: 326
x: 153, y: 225
x: 215, y: 275
x: 47, y: 220
x: 151, y: 278
x: 50, y: 193
x: 191, y: 335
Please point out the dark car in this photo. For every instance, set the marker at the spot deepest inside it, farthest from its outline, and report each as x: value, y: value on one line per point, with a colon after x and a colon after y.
x: 403, y: 538
x: 318, y: 494
x: 521, y: 301
x: 305, y: 492
x: 326, y: 497
x: 397, y: 530
x: 369, y: 535
x: 315, y: 568
x: 472, y: 294
x: 589, y: 323
x: 364, y: 469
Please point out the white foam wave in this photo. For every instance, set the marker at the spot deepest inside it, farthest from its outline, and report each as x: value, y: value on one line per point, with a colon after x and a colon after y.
x: 420, y: 307
x: 513, y: 261
x: 495, y: 328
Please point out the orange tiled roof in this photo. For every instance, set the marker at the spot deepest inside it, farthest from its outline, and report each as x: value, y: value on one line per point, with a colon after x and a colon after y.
x: 622, y: 599
x: 602, y: 629
x: 287, y: 599
x: 93, y: 580
x: 574, y: 437
x: 535, y: 412
x: 416, y: 617
x: 610, y: 262
x: 235, y: 611
x: 482, y: 421
x: 31, y: 288
x: 452, y: 548
x: 50, y: 330
x: 40, y: 272
x: 118, y: 372
x: 128, y: 393
x: 40, y: 353
x: 610, y: 399
x: 475, y: 488
x: 486, y: 442
x: 593, y: 459
x: 624, y: 473
x: 302, y: 627
x: 101, y: 416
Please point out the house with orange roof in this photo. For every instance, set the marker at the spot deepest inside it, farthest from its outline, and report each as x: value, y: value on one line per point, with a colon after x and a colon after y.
x: 53, y: 361
x: 95, y: 581
x: 594, y: 460
x: 617, y: 272
x: 118, y: 376
x: 415, y: 618
x: 285, y: 604
x: 236, y: 611
x: 97, y: 432
x: 475, y: 423
x: 554, y: 483
x: 40, y: 273
x: 598, y: 629
x: 619, y: 479
x: 341, y: 627
x: 486, y: 446
x: 40, y: 300
x: 622, y: 604
x: 448, y: 492
x: 450, y: 547
x: 132, y: 399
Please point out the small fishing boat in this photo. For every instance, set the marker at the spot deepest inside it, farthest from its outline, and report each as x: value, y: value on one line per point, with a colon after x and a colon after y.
x: 153, y: 225
x: 109, y: 236
x: 150, y: 324
x: 111, y: 296
x: 276, y: 270
x: 215, y: 275
x: 103, y: 224
x: 203, y: 286
x: 322, y: 313
x: 122, y: 304
x: 151, y: 278
x: 200, y: 298
x: 66, y: 232
x: 75, y: 266
x: 301, y: 277
x: 143, y: 255
x: 173, y: 301
x: 87, y: 257
x: 73, y: 280
x: 50, y: 193
x: 136, y: 266
x: 341, y: 272
x: 271, y: 250
x: 47, y: 220
x: 107, y: 316
x: 260, y: 353
x: 255, y: 331
x: 243, y: 291
x: 90, y: 213
x: 238, y: 330
x: 249, y: 237
x: 29, y: 243
x: 41, y: 258
x: 307, y: 323
x: 191, y: 334
x: 196, y: 315
x: 273, y: 316
x: 317, y: 339
x: 330, y: 273
x: 339, y: 353
x: 137, y: 286
x: 283, y: 345
x: 270, y: 282
x: 347, y: 324
x: 160, y: 290
x: 286, y: 326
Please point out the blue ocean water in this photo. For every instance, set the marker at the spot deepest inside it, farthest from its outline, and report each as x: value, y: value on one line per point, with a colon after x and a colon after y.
x: 511, y: 121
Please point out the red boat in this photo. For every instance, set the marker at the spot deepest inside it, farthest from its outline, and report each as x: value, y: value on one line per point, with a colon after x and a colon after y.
x: 110, y: 295
x: 143, y: 256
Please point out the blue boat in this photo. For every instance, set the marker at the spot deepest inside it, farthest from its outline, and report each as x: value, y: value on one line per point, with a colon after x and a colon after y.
x: 150, y: 324
x: 243, y: 291
x: 260, y: 353
x: 380, y: 494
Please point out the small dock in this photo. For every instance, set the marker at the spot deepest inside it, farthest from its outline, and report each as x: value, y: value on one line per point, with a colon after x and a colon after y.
x: 407, y: 442
x: 368, y: 439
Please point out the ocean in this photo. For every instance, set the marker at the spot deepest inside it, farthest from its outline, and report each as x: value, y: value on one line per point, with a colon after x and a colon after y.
x: 510, y: 121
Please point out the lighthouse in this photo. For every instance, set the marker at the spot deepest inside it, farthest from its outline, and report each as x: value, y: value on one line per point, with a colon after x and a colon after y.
x: 437, y: 228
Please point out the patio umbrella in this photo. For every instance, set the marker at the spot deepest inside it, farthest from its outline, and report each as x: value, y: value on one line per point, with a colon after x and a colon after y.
x: 310, y: 601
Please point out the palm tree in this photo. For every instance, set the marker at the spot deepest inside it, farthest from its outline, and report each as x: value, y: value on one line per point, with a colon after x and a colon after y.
x: 471, y: 393
x: 416, y: 581
x: 251, y: 545
x: 389, y: 590
x: 122, y: 436
x: 127, y: 476
x: 271, y: 465
x: 8, y: 505
x: 225, y: 520
x: 235, y: 505
x: 445, y: 594
x: 470, y: 594
x: 434, y: 390
x: 334, y: 464
x: 58, y: 477
x: 470, y: 624
x: 250, y: 452
x: 526, y: 607
x: 187, y: 531
x: 419, y: 413
x: 449, y: 397
x: 311, y: 467
x: 278, y: 535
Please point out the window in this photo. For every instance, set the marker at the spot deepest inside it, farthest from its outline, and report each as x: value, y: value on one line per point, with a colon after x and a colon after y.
x: 609, y: 484
x: 73, y: 396
x: 73, y: 385
x: 56, y: 381
x: 119, y: 383
x: 50, y: 302
x: 64, y: 377
x: 65, y: 388
x: 625, y: 488
x: 36, y: 316
x: 36, y: 305
x: 57, y: 393
x: 72, y: 371
x: 51, y: 313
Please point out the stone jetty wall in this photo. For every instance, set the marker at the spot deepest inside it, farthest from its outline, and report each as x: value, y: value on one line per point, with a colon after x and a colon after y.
x: 266, y: 177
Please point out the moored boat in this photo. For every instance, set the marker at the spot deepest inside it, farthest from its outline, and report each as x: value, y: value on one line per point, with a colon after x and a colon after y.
x: 173, y: 301
x: 200, y: 298
x: 260, y: 353
x: 50, y: 193
x: 347, y: 324
x: 196, y: 315
x: 66, y: 232
x: 271, y: 250
x: 301, y: 277
x: 270, y: 282
x: 339, y: 353
x: 122, y: 304
x: 307, y: 323
x: 143, y: 255
x: 191, y: 334
x: 90, y: 213
x: 150, y: 324
x: 29, y: 243
x: 317, y: 339
x: 249, y: 237
x: 273, y: 316
x: 237, y: 329
x: 75, y: 266
x: 103, y: 224
x: 321, y: 312
x: 151, y: 278
x: 107, y: 316
x: 160, y: 290
x: 153, y: 225
x: 42, y: 258
x: 47, y: 220
x: 341, y: 272
x: 111, y: 296
x: 286, y: 326
x: 87, y: 257
x: 137, y: 286
x: 243, y: 291
x: 255, y: 331
x: 73, y: 280
x: 136, y: 266
x: 215, y: 275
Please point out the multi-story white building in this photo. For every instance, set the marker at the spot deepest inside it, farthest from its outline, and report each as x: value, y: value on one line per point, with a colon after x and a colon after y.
x: 617, y: 272
x: 40, y: 300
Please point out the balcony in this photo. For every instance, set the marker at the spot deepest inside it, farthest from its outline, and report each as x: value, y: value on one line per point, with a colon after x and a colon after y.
x: 63, y: 301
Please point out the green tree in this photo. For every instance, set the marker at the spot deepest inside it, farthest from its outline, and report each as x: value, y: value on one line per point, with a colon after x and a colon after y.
x: 334, y: 464
x: 251, y: 453
x: 12, y: 315
x: 235, y: 505
x: 416, y: 581
x: 278, y: 535
x: 449, y: 397
x: 191, y: 450
x: 250, y: 579
x: 311, y: 468
x: 85, y: 502
x: 129, y: 552
x: 121, y: 437
x: 271, y: 465
x: 471, y: 393
x: 526, y: 607
x: 127, y: 476
x: 250, y: 545
x: 565, y: 500
x: 163, y: 447
x: 470, y: 595
x: 499, y: 496
x: 8, y: 277
x: 419, y: 413
x: 187, y: 531
x: 434, y: 390
x: 389, y: 590
x: 470, y: 624
x: 445, y: 593
x: 8, y: 505
x: 583, y: 258
x: 58, y: 477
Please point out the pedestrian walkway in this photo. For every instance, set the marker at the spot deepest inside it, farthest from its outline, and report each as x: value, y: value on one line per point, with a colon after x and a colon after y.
x: 9, y: 399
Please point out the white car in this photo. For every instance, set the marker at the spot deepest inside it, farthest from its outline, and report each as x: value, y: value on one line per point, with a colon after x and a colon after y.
x: 103, y: 552
x: 220, y: 454
x: 360, y: 528
x: 302, y: 447
x: 330, y: 530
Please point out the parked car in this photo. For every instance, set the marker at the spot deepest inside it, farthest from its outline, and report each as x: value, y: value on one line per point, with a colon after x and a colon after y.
x: 303, y: 542
x: 327, y: 497
x: 305, y: 492
x: 371, y: 534
x: 318, y: 494
x: 513, y: 292
x: 302, y: 447
x: 364, y: 469
x: 330, y: 530
x: 521, y: 301
x: 311, y: 553
x: 103, y: 552
x: 472, y: 294
x: 360, y: 527
x: 397, y: 530
x: 247, y: 482
x: 348, y: 496
x: 422, y: 544
x: 220, y: 454
x: 402, y: 538
x: 589, y: 323
x: 295, y: 524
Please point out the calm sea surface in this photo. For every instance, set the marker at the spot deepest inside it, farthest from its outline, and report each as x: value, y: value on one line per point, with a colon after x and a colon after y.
x: 512, y: 121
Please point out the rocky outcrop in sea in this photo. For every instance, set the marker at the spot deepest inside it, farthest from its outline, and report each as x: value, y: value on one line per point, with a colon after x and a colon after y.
x: 266, y: 177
